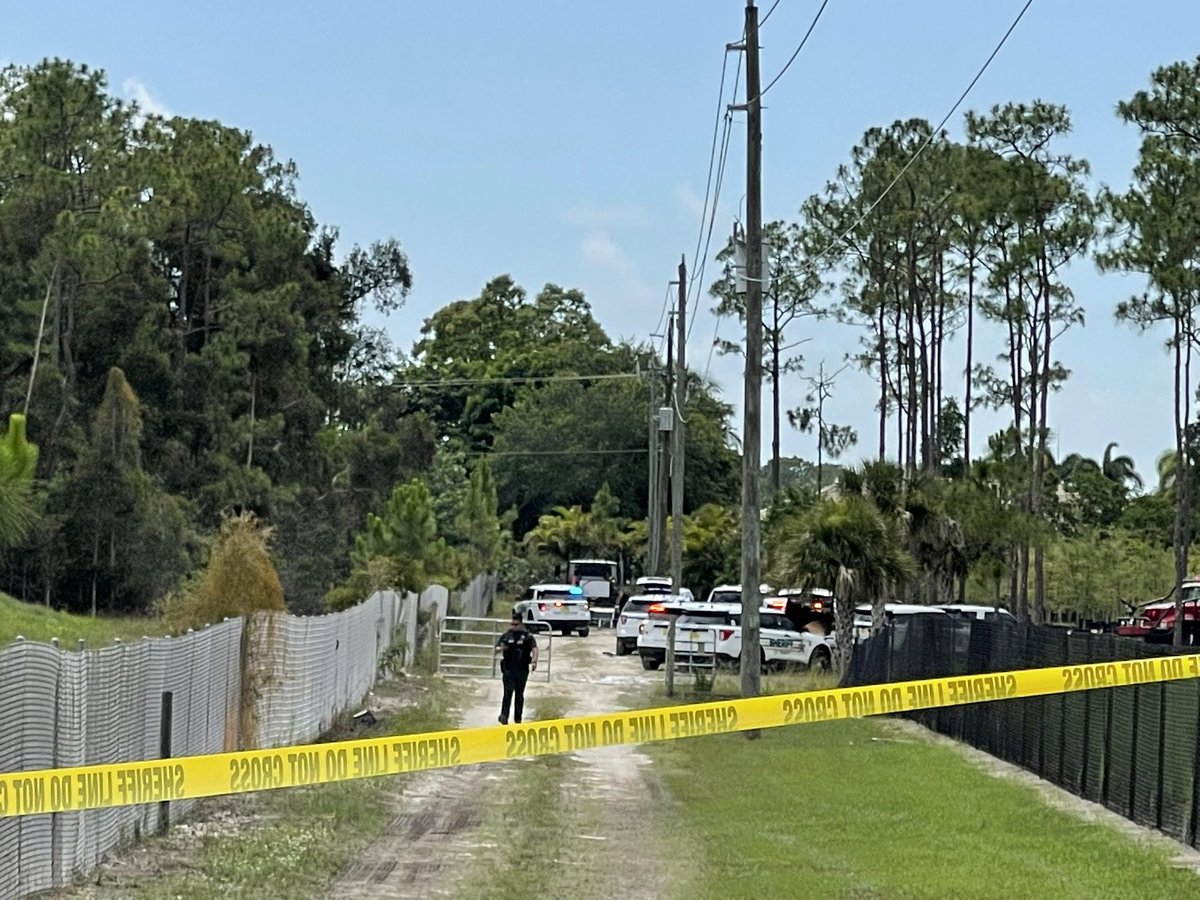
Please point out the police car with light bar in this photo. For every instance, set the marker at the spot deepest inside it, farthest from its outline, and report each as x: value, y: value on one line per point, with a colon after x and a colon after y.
x: 555, y: 607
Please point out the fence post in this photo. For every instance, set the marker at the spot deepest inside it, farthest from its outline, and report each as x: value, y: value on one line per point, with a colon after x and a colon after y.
x: 1087, y: 719
x: 164, y: 752
x: 1133, y: 745
x: 1192, y: 813
x: 1162, y: 747
x: 671, y: 655
x: 1108, y: 726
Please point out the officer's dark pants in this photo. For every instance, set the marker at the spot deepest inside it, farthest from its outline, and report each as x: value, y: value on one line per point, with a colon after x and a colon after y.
x: 514, y: 693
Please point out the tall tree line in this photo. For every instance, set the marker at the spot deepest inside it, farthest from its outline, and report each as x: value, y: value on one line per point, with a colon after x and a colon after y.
x: 185, y: 342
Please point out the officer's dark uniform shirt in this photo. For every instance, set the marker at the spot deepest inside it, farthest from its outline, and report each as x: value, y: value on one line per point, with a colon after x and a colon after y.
x: 518, y: 650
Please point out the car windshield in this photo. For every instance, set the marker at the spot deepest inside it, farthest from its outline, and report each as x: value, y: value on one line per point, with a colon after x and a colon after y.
x: 640, y: 603
x: 725, y: 597
x: 559, y: 595
x: 593, y: 570
x: 1191, y: 593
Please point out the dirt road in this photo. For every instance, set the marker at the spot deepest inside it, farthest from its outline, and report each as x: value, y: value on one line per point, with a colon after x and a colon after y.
x: 589, y: 824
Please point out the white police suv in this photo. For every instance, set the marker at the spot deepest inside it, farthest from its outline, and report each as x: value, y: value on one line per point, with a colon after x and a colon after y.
x: 555, y: 607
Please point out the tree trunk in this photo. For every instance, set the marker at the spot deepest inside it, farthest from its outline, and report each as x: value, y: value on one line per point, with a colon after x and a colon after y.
x: 1182, y: 532
x: 843, y: 646
x: 253, y: 398
x: 883, y: 385
x: 970, y: 365
x: 182, y: 298
x: 878, y: 610
x: 775, y: 475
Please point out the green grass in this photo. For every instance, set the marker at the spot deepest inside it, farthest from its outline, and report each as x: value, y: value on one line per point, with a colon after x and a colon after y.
x: 853, y: 809
x: 35, y: 622
x: 301, y: 838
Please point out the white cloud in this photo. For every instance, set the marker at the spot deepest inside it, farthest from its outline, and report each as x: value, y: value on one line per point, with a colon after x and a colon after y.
x: 603, y: 252
x: 599, y: 217
x: 140, y: 94
x: 687, y: 197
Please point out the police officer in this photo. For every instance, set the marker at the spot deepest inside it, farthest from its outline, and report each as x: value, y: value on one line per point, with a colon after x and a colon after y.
x: 518, y: 652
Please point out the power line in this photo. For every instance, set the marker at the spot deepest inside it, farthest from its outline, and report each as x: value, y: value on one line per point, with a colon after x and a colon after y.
x: 704, y: 260
x: 583, y: 452
x: 516, y: 379
x: 712, y: 153
x: 663, y: 314
x: 792, y: 58
x: 698, y: 276
x: 929, y: 140
x: 698, y: 268
x: 763, y: 20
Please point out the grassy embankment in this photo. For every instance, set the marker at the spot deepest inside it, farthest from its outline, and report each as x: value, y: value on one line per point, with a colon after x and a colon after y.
x: 35, y: 622
x: 861, y: 809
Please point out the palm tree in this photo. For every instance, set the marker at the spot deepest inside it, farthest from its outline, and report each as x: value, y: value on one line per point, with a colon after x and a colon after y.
x: 915, y: 502
x: 18, y: 458
x: 850, y: 545
x: 1076, y: 462
x: 1120, y: 469
x: 563, y: 533
x: 1167, y: 466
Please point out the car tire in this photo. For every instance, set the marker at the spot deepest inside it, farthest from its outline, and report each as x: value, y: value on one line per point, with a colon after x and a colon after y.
x: 622, y: 648
x: 566, y: 632
x: 649, y: 663
x: 583, y: 632
x: 820, y: 660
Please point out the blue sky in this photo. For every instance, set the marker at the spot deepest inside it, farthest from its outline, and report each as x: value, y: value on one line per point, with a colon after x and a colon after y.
x: 569, y: 142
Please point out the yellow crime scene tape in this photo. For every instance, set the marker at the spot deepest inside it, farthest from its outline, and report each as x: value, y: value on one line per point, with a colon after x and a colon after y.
x: 155, y: 781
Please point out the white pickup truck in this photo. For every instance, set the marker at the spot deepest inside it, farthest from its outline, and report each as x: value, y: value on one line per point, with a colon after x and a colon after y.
x: 781, y: 644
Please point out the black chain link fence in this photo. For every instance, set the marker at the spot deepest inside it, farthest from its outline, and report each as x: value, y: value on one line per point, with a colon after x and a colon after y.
x: 1134, y: 749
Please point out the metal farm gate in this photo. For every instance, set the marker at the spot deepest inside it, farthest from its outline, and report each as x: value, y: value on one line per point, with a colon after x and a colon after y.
x: 466, y: 647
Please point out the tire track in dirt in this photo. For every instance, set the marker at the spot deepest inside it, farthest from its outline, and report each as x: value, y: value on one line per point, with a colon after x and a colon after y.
x: 614, y: 808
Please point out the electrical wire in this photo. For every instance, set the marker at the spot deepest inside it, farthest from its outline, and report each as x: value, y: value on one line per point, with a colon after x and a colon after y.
x: 717, y: 326
x: 582, y: 452
x: 792, y: 58
x: 929, y: 140
x: 763, y: 20
x: 698, y: 269
x: 663, y: 314
x: 712, y: 153
x: 515, y: 379
x: 704, y: 260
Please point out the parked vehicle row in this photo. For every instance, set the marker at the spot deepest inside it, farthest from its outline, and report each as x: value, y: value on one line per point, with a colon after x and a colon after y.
x: 796, y: 627
x: 710, y: 633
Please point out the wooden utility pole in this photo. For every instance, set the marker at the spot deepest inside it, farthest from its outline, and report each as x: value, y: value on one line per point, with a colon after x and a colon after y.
x: 667, y: 450
x: 653, y: 513
x: 752, y: 402
x: 677, y: 454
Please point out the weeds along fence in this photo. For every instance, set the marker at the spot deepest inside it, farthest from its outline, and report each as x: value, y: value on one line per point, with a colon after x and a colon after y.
x: 266, y: 681
x: 1134, y: 749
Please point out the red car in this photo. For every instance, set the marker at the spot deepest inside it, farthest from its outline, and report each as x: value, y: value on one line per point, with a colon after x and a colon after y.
x: 1159, y: 618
